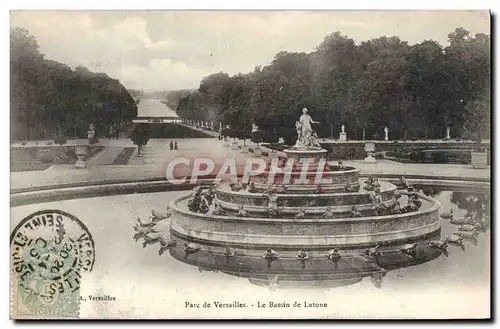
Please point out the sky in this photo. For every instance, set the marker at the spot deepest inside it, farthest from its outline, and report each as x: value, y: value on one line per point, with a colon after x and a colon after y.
x: 171, y: 50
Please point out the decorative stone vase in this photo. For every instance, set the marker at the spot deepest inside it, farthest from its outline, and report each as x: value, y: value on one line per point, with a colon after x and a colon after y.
x: 479, y: 160
x: 80, y: 152
x: 370, y: 149
x: 273, y: 154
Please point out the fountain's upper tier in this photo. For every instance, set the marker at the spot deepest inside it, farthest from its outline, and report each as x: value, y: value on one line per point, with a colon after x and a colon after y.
x: 315, y: 154
x: 304, y: 170
x: 314, y: 201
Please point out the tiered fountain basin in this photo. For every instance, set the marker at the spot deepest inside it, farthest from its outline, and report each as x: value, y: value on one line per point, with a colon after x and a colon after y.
x: 214, y: 232
x: 291, y: 202
x: 317, y: 271
x: 338, y: 180
x: 258, y: 230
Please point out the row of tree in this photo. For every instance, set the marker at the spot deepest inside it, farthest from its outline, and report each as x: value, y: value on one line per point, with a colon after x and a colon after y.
x: 173, y: 97
x: 49, y: 98
x: 416, y: 90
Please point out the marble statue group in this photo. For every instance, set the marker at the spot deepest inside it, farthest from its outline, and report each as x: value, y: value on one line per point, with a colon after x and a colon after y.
x: 306, y: 137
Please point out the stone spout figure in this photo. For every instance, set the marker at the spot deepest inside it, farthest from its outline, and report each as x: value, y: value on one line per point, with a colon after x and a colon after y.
x: 306, y: 138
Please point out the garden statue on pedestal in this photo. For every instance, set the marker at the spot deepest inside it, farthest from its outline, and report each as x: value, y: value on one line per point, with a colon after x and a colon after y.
x: 306, y: 137
x: 91, y: 131
x: 343, y: 134
x: 254, y: 127
x: 80, y: 152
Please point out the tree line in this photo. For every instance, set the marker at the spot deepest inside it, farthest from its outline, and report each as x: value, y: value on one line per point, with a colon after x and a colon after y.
x: 49, y: 98
x: 416, y: 90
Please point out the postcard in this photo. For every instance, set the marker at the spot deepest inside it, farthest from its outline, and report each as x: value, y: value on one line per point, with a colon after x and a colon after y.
x: 250, y: 165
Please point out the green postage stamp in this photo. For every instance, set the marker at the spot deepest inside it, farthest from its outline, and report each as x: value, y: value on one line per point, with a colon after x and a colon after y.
x: 50, y: 250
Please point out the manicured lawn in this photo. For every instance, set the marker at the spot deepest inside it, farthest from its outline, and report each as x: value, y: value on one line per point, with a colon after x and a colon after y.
x: 124, y: 156
x: 41, y: 158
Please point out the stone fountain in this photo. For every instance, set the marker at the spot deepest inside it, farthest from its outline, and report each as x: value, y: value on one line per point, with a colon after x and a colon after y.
x: 270, y: 225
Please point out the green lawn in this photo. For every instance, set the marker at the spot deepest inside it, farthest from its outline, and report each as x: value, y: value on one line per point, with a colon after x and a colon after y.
x: 124, y: 156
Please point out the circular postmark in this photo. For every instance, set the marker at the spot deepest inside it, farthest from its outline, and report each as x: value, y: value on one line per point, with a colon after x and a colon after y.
x: 50, y: 250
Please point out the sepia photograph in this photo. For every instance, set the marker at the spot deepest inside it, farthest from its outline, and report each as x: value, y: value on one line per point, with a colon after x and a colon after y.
x: 230, y: 164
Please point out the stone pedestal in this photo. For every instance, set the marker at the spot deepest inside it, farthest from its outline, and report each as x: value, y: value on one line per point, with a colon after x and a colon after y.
x: 370, y: 149
x: 370, y: 159
x: 299, y: 154
x: 234, y: 145
x: 257, y: 151
x: 80, y: 163
x: 273, y: 155
x: 343, y: 137
x: 479, y: 160
x: 80, y: 152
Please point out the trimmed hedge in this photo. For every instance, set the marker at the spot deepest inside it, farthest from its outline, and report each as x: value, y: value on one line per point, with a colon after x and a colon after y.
x: 264, y: 137
x: 60, y: 140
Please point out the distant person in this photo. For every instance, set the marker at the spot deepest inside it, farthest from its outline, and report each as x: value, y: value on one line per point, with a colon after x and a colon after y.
x: 175, y: 146
x: 171, y: 145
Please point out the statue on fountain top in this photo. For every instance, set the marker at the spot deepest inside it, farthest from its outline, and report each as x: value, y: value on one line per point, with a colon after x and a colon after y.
x: 306, y: 137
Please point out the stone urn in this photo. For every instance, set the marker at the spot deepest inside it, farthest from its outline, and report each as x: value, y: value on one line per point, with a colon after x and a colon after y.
x: 479, y: 159
x: 370, y: 149
x: 80, y: 152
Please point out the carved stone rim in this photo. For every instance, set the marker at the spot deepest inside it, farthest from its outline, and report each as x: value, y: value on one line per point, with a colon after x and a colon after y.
x: 339, y: 173
x: 301, y: 196
x: 305, y: 149
x: 186, y: 212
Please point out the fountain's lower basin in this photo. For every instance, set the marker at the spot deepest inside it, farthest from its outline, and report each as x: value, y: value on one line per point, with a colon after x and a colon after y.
x: 289, y: 233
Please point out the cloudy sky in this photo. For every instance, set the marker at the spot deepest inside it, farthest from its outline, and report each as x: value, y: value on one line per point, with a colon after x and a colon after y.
x: 173, y: 50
